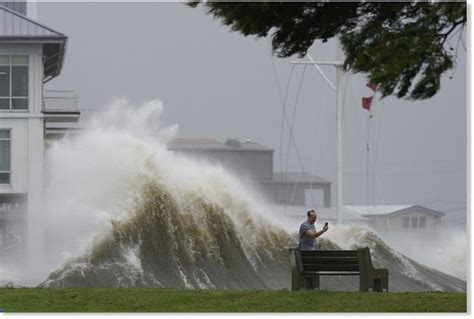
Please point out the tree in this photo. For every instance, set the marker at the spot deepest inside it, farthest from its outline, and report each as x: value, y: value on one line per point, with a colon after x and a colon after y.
x: 403, y: 47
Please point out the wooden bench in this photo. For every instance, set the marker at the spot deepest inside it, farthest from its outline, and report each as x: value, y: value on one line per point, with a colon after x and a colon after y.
x: 307, y: 266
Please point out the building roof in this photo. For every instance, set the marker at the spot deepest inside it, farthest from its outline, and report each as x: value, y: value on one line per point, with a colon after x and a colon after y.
x: 18, y: 28
x: 209, y: 144
x: 298, y: 177
x: 377, y: 209
x: 380, y: 210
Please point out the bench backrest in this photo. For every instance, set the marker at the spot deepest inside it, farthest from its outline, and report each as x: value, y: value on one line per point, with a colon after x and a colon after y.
x: 329, y: 260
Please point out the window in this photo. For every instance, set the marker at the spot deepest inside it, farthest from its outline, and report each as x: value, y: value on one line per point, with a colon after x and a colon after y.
x: 422, y: 222
x: 414, y: 222
x: 13, y: 82
x: 4, y: 156
x: 406, y: 222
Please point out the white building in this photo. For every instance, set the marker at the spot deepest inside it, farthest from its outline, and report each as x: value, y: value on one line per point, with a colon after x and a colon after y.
x: 31, y: 54
x: 409, y: 222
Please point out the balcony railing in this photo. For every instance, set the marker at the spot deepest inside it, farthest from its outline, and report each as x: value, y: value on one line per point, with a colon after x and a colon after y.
x: 60, y: 106
x: 60, y: 101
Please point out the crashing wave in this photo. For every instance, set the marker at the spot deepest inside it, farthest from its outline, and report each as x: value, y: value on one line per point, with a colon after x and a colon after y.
x: 123, y: 211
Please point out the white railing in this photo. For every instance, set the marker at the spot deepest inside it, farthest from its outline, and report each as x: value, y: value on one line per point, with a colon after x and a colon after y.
x: 60, y: 101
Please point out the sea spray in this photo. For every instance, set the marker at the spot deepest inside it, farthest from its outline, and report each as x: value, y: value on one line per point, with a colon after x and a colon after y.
x: 97, y: 177
x: 121, y: 210
x: 446, y: 252
x: 403, y: 271
x: 89, y: 180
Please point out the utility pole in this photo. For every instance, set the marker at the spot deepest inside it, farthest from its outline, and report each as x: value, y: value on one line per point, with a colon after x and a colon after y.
x: 339, y: 65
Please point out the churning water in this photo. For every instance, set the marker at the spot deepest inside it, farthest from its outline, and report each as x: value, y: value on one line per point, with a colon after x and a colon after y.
x: 123, y: 211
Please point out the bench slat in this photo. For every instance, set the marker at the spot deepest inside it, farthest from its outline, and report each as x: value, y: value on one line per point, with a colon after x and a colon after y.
x: 331, y: 273
x: 330, y: 260
x: 329, y: 253
x: 331, y: 267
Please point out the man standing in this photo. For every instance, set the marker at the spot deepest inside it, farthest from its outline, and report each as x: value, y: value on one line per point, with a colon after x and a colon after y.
x: 308, y: 233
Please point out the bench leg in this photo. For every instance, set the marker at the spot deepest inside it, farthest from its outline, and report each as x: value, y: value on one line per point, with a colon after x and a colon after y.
x: 381, y: 280
x: 311, y: 282
x: 384, y: 280
x: 297, y: 282
x: 363, y: 283
x: 374, y: 284
x: 316, y: 282
x: 377, y: 285
x: 377, y: 282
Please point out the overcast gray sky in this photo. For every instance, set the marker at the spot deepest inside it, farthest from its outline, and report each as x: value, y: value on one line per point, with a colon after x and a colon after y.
x: 215, y: 83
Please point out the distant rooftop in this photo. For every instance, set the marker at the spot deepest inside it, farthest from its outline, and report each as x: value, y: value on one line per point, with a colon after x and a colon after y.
x: 198, y: 144
x: 325, y: 213
x: 354, y: 212
x: 363, y: 210
x: 377, y: 209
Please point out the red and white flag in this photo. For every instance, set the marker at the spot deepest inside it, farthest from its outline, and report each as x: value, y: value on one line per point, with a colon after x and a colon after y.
x: 373, y: 86
x: 366, y: 102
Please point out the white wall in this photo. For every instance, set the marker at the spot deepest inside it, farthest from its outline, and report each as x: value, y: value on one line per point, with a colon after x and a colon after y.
x: 27, y: 135
x: 27, y: 132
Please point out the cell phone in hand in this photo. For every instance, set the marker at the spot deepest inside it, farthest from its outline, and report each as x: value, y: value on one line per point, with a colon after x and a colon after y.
x: 325, y: 224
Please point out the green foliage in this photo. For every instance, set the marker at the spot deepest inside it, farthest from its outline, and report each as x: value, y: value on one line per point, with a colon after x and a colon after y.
x: 401, y: 46
x: 189, y: 300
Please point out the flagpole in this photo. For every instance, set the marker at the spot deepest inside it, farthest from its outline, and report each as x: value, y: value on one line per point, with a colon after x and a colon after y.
x: 339, y: 103
x: 367, y: 163
x: 369, y: 139
x: 366, y: 104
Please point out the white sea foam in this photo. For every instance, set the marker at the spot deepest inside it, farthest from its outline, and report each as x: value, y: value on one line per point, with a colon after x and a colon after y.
x: 349, y: 237
x: 94, y: 177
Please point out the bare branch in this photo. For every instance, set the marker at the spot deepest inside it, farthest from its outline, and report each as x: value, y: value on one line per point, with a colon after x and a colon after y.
x: 445, y: 35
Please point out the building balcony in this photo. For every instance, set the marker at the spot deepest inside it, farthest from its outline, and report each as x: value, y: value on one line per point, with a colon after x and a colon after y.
x: 60, y: 106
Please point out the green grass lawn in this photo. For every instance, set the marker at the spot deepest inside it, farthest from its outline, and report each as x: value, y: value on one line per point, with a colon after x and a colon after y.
x: 187, y: 300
